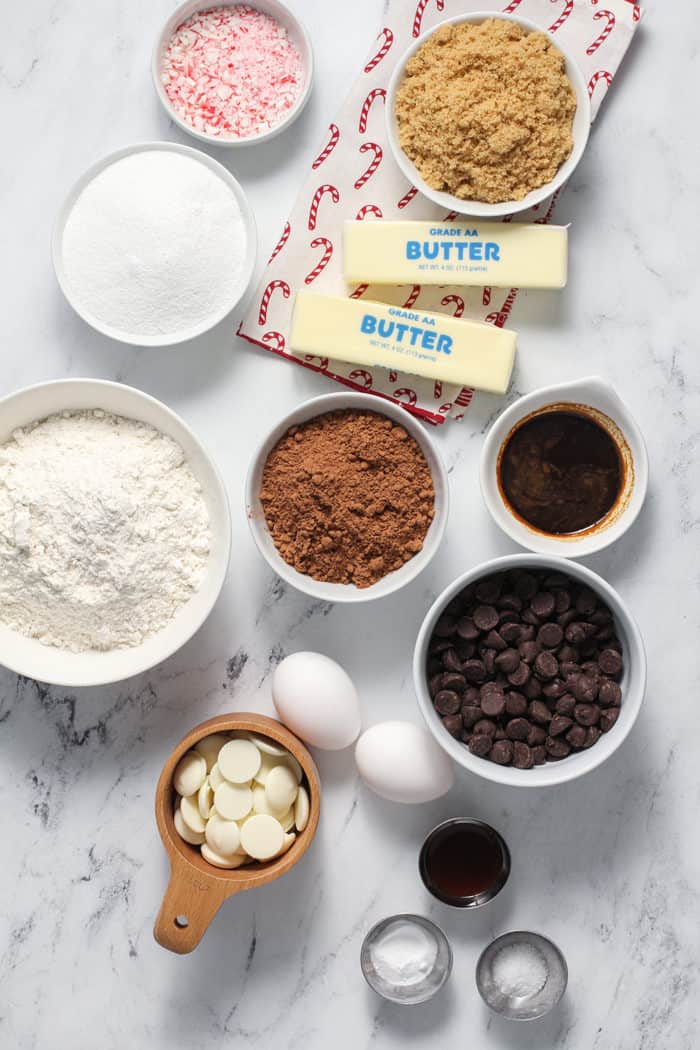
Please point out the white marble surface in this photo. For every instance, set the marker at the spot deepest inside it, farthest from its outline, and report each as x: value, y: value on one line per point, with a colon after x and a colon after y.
x: 608, y: 866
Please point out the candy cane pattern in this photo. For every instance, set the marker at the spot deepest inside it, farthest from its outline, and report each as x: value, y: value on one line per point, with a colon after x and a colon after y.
x: 450, y: 217
x: 359, y: 291
x: 413, y: 295
x: 393, y: 376
x: 320, y: 242
x: 437, y: 389
x: 444, y: 409
x: 407, y: 197
x: 486, y: 297
x: 360, y: 375
x: 281, y: 242
x: 544, y: 219
x: 636, y: 10
x: 568, y: 8
x: 601, y: 74
x: 610, y: 25
x: 408, y: 394
x: 316, y: 200
x: 328, y: 149
x: 512, y: 6
x: 383, y: 50
x: 274, y: 339
x: 267, y: 295
x: 367, y: 174
x: 447, y: 300
x: 464, y: 397
x: 367, y: 105
x: 369, y: 209
x: 420, y: 11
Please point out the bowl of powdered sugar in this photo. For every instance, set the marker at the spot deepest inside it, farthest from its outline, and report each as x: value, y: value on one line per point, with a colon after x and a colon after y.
x: 155, y: 244
x: 115, y: 532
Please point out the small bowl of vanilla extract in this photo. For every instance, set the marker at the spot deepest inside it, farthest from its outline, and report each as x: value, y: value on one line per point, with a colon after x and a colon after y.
x: 564, y: 470
x: 464, y: 862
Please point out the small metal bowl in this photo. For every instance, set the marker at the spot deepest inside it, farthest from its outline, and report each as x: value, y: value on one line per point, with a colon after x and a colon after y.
x: 522, y: 1008
x: 417, y: 991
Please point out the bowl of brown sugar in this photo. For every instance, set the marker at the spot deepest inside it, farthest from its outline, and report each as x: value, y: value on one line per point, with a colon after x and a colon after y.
x: 347, y: 501
x: 486, y: 115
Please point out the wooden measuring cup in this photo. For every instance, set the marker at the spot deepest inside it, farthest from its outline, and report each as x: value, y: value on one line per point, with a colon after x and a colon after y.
x: 197, y: 889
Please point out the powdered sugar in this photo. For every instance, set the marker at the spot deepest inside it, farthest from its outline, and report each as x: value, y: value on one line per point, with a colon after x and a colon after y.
x: 104, y: 532
x: 232, y: 72
x: 155, y: 245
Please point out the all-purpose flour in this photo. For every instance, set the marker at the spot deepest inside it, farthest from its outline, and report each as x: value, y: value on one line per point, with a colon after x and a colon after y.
x: 104, y: 532
x: 154, y: 245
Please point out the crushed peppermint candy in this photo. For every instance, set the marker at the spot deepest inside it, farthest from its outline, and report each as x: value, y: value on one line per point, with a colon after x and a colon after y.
x: 232, y: 72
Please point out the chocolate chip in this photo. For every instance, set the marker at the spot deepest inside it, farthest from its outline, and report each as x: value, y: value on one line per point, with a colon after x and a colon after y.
x: 438, y: 645
x: 587, y: 714
x: 593, y: 735
x: 555, y: 579
x: 451, y: 661
x: 453, y: 725
x: 520, y: 675
x: 562, y: 600
x: 546, y: 665
x: 609, y: 693
x: 557, y: 748
x: 531, y: 617
x: 553, y: 690
x: 517, y: 729
x: 540, y: 713
x: 502, y: 752
x: 525, y: 586
x: 559, y: 725
x: 516, y: 704
x: 536, y: 736
x: 586, y: 602
x: 485, y: 727
x: 488, y: 590
x: 528, y: 651
x: 464, y: 650
x: 610, y: 662
x: 467, y: 629
x: 532, y: 688
x: 583, y: 687
x: 494, y: 641
x: 539, y: 754
x: 510, y: 601
x: 480, y: 745
x: 508, y: 616
x: 508, y: 660
x: 493, y: 704
x: 500, y: 734
x: 567, y: 653
x: 565, y: 704
x: 489, y: 658
x: 567, y: 617
x: 578, y: 632
x: 457, y: 682
x: 608, y: 718
x: 550, y: 635
x: 542, y: 604
x: 577, y: 736
x: 591, y: 668
x: 447, y: 702
x: 485, y: 617
x: 470, y: 716
x: 522, y: 756
x: 474, y: 670
x: 511, y: 633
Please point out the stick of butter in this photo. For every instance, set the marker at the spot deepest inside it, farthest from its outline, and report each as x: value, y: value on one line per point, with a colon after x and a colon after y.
x: 425, y: 344
x: 469, y: 252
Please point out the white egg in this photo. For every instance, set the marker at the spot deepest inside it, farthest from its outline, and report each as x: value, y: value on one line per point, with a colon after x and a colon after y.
x: 317, y: 700
x: 402, y: 762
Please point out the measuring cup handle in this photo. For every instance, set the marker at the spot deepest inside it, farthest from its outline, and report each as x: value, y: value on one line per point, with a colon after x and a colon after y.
x: 190, y: 903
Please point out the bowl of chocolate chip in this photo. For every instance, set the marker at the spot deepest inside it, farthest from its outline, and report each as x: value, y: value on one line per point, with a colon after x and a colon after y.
x: 529, y: 670
x: 564, y: 469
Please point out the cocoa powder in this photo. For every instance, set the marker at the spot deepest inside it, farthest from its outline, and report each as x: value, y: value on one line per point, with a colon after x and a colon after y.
x: 348, y: 497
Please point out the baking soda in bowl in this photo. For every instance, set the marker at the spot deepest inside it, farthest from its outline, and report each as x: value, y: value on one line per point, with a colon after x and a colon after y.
x: 232, y: 72
x: 155, y: 248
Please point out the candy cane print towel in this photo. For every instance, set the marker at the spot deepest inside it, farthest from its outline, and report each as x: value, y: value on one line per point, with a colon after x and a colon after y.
x: 354, y: 176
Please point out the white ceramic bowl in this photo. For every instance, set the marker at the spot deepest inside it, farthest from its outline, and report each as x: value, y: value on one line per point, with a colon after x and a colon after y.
x: 28, y: 657
x: 343, y: 592
x: 600, y: 397
x: 580, y: 129
x: 633, y: 682
x: 170, y: 338
x: 297, y: 34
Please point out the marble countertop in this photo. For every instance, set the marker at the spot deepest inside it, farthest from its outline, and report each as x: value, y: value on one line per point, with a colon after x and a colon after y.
x: 608, y: 866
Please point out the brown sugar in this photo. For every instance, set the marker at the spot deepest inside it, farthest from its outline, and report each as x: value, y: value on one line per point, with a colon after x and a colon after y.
x: 348, y: 497
x: 485, y: 111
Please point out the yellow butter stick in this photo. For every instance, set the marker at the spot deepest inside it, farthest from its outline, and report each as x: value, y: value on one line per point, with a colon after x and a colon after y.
x: 432, y: 345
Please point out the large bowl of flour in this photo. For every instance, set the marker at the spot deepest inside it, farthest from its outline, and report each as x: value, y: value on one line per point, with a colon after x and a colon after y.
x: 115, y: 532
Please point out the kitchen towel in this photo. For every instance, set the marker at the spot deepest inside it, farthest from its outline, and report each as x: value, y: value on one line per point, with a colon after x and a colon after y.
x: 354, y: 176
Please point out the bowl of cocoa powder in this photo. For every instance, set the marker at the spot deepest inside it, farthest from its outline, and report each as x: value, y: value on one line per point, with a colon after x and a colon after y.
x: 347, y: 500
x: 487, y: 115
